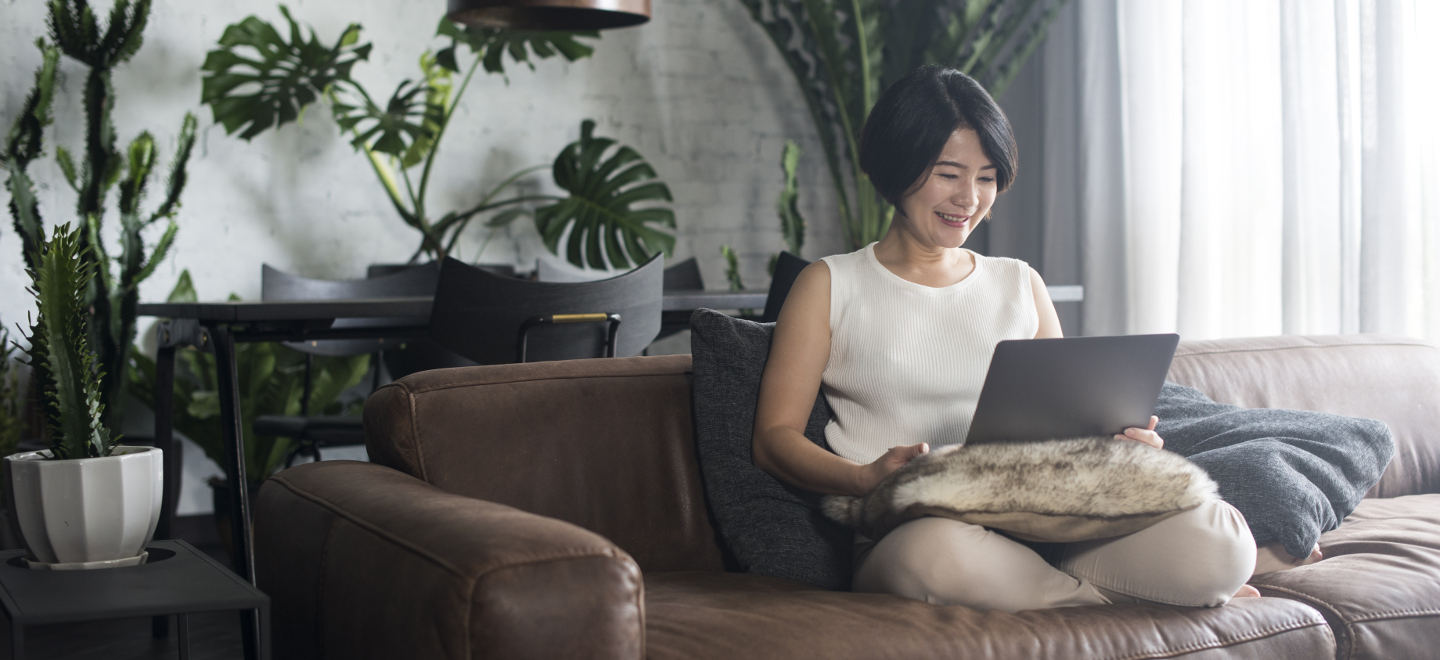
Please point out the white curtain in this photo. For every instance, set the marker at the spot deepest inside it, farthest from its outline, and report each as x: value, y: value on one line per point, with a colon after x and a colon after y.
x: 1251, y: 167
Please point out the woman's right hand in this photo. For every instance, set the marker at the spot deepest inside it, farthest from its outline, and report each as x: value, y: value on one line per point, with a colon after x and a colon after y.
x: 871, y: 474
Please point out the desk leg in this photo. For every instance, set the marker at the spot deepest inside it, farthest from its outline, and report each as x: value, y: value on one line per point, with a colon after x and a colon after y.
x: 182, y: 628
x: 234, y: 439
x: 264, y: 632
x: 234, y: 436
x: 165, y: 437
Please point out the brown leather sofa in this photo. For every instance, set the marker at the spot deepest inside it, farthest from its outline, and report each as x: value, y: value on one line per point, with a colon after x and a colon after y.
x: 555, y: 510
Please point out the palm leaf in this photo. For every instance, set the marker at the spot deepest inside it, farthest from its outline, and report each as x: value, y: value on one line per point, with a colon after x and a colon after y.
x: 491, y: 45
x: 408, y: 119
x: 604, y: 181
x: 258, y: 79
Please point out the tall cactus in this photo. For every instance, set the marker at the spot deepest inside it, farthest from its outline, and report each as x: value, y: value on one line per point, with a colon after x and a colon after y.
x: 112, y: 289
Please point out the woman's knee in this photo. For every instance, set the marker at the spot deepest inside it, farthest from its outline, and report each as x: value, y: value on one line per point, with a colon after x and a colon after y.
x: 947, y: 562
x: 1200, y: 557
x: 1215, y: 554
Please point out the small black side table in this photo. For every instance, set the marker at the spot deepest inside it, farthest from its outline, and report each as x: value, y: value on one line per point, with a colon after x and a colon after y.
x: 176, y: 579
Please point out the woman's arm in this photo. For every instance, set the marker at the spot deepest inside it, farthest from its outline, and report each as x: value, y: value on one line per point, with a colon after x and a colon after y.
x: 798, y: 353
x: 1044, y: 308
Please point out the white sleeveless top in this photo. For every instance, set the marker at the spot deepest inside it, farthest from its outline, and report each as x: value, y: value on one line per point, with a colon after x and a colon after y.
x: 906, y: 360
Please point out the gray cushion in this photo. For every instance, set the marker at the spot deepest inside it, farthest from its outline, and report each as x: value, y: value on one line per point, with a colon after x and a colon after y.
x: 770, y: 527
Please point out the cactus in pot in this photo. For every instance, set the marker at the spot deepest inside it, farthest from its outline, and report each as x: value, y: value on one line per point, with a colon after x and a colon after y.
x: 86, y: 502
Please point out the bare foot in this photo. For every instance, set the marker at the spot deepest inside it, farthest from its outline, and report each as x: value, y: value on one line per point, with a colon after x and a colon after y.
x: 1272, y: 557
x: 1247, y: 591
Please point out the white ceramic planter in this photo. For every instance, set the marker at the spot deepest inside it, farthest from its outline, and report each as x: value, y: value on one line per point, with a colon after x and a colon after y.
x: 88, y: 509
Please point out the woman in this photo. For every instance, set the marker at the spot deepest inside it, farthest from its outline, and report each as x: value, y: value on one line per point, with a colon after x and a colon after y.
x: 900, y: 334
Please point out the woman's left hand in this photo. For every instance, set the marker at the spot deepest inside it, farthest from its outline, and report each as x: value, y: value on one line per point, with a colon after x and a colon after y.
x: 1146, y: 435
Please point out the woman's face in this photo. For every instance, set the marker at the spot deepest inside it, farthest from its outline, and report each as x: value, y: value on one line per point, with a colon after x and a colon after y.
x: 954, y: 195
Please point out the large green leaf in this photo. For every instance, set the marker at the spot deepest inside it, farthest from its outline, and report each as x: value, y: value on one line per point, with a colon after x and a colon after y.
x: 258, y: 79
x: 491, y: 45
x: 407, y: 119
x: 604, y: 180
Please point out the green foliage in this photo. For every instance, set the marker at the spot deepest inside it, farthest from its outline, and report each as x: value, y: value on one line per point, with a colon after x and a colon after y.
x: 112, y: 292
x: 68, y: 376
x: 604, y: 179
x: 273, y: 85
x: 258, y: 79
x: 490, y: 45
x: 788, y: 206
x: 845, y: 52
x: 732, y: 274
x: 272, y: 381
x: 12, y: 402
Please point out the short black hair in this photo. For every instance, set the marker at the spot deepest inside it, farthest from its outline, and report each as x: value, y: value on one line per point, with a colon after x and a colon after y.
x: 910, y: 124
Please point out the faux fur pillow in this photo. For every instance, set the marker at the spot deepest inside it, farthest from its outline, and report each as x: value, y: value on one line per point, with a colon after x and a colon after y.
x: 1052, y: 491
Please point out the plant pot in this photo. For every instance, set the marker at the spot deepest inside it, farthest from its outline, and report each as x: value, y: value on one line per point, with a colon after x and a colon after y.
x: 86, y: 509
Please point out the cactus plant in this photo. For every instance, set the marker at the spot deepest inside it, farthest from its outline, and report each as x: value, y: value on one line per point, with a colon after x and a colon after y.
x: 111, y: 292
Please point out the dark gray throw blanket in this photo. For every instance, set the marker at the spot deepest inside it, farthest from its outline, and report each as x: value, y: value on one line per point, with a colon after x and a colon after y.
x: 1293, y: 474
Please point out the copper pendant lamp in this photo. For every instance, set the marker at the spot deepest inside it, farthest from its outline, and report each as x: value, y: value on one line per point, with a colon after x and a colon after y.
x: 550, y: 14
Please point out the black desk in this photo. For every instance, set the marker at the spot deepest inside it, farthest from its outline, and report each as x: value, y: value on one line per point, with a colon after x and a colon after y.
x: 184, y: 582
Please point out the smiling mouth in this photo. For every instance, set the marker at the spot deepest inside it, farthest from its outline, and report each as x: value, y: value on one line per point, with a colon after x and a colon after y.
x: 956, y: 221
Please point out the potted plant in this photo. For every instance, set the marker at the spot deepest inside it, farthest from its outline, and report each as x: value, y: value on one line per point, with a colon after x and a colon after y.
x: 86, y: 502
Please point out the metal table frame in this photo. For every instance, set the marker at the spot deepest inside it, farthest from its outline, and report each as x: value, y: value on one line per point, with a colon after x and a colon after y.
x: 195, y: 583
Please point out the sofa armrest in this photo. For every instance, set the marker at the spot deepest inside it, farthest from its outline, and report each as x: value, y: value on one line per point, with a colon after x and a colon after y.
x: 362, y: 561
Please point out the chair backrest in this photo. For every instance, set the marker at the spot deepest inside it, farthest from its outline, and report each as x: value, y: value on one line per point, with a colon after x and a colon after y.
x: 381, y: 270
x: 787, y: 268
x: 478, y: 314
x: 414, y: 281
x: 684, y: 276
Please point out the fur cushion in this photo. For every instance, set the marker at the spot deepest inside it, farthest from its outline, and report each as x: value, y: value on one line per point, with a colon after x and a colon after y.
x: 1051, y: 491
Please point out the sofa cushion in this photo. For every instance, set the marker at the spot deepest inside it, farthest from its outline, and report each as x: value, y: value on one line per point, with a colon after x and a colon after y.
x: 1379, y: 584
x: 1393, y: 379
x: 696, y: 616
x: 770, y: 527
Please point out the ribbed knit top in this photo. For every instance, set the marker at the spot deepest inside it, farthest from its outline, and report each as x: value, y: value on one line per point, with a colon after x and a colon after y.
x: 907, y: 361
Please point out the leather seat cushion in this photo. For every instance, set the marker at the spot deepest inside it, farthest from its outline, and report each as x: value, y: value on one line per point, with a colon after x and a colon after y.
x: 697, y: 615
x: 1379, y: 584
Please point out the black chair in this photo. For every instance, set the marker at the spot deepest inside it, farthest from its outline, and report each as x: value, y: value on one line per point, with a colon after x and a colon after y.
x: 684, y: 276
x: 787, y: 268
x: 497, y: 320
x: 313, y: 432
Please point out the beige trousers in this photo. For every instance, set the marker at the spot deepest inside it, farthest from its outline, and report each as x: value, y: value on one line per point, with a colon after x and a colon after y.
x: 1198, y: 558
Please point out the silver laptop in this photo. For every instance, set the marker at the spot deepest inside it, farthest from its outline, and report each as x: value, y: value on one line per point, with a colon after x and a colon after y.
x: 1049, y: 389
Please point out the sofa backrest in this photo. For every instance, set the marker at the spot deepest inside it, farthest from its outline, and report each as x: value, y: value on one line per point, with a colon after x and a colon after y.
x: 1393, y: 379
x: 606, y: 444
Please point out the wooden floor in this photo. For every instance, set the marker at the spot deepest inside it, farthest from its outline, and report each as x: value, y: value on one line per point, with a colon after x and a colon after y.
x: 213, y: 635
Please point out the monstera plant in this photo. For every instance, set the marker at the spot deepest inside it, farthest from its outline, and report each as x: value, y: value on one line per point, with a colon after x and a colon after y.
x: 260, y: 78
x: 845, y: 52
